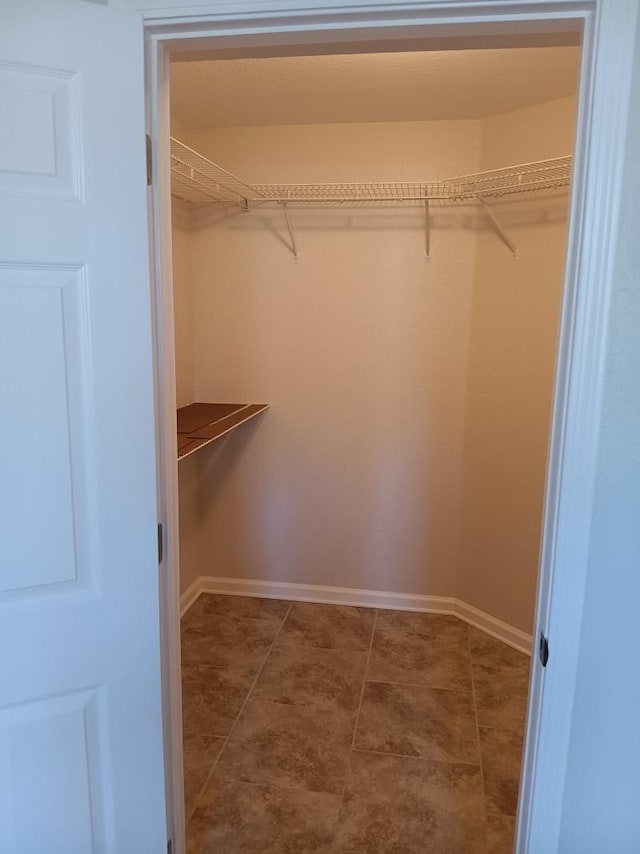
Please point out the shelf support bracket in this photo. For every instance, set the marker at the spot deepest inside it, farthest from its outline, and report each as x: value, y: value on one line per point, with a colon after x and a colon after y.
x: 294, y: 248
x: 494, y: 220
x: 427, y: 230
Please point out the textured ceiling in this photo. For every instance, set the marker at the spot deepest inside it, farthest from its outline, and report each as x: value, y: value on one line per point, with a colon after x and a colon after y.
x: 464, y: 84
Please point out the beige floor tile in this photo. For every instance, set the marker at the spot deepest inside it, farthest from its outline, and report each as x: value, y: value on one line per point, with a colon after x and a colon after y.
x: 490, y: 652
x: 289, y: 746
x: 413, y: 806
x: 415, y: 721
x: 200, y: 753
x: 234, y: 642
x: 426, y: 625
x: 246, y: 607
x: 212, y: 697
x: 501, y: 831
x: 501, y: 682
x: 501, y: 695
x: 277, y: 784
x: 501, y: 759
x: 323, y: 678
x: 237, y: 818
x: 407, y: 656
x: 328, y: 626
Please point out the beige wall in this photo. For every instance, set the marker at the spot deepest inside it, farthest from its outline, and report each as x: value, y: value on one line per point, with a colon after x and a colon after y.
x: 404, y: 449
x: 183, y: 302
x: 510, y: 373
x: 180, y: 130
x: 353, y: 477
x: 190, y: 528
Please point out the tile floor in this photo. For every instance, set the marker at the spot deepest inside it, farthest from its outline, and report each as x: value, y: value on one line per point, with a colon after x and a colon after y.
x: 324, y: 729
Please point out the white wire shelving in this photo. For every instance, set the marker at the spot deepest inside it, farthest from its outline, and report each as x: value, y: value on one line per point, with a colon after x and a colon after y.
x: 195, y: 178
x: 553, y: 174
x: 198, y: 180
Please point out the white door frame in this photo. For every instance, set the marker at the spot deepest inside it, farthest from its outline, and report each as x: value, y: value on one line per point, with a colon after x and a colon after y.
x: 608, y: 30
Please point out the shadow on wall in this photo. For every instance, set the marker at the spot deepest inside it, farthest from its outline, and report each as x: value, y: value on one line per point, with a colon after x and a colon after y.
x: 272, y: 521
x: 219, y: 459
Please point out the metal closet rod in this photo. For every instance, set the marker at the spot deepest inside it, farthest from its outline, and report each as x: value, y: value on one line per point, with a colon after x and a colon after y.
x: 197, y: 179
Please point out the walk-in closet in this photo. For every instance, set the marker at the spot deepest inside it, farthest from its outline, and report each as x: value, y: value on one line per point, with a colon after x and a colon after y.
x: 368, y: 260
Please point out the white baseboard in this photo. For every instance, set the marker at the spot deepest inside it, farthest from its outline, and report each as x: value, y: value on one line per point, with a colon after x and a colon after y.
x: 493, y: 626
x: 361, y: 598
x: 189, y: 596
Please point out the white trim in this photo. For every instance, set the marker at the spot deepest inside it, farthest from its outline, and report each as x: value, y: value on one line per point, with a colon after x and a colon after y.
x: 607, y: 65
x: 603, y: 109
x: 189, y: 596
x: 493, y: 626
x: 384, y: 599
x: 324, y: 594
x: 157, y: 124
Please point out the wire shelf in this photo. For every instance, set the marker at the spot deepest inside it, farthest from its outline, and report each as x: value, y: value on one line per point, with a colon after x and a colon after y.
x: 195, y: 178
x: 539, y: 175
x: 404, y: 191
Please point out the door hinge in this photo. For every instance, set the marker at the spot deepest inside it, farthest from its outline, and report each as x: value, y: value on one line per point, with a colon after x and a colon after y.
x: 169, y: 846
x: 160, y: 542
x: 149, y: 160
x: 543, y: 650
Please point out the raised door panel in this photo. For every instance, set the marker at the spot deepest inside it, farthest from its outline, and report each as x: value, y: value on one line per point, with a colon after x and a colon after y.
x: 39, y: 134
x: 45, y: 526
x: 50, y: 761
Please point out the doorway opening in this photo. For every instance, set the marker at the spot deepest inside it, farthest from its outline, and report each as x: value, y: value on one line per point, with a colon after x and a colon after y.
x: 281, y: 496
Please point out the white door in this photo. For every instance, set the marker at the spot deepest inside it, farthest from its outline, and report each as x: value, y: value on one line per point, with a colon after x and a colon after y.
x: 81, y: 765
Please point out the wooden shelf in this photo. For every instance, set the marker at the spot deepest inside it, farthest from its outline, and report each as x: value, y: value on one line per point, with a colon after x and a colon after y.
x: 199, y: 424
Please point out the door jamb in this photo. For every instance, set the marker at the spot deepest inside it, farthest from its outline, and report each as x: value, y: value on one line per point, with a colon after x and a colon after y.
x: 603, y: 105
x: 157, y: 118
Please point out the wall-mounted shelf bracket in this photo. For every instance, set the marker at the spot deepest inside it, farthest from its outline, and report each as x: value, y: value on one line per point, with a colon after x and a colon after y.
x: 496, y: 224
x: 195, y: 178
x: 294, y: 248
x: 427, y: 230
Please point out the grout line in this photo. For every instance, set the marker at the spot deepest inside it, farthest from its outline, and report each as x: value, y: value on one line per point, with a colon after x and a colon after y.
x: 272, y: 785
x: 257, y: 676
x: 418, y: 758
x: 364, y: 679
x: 188, y: 818
x: 246, y: 700
x: 464, y: 691
x: 475, y: 714
x: 194, y: 732
x: 355, y: 727
x: 206, y: 782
